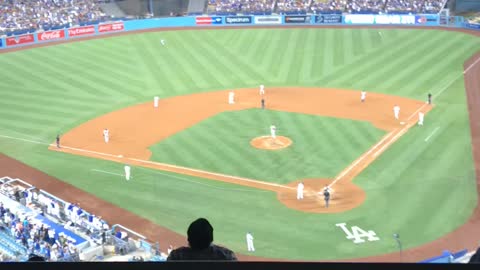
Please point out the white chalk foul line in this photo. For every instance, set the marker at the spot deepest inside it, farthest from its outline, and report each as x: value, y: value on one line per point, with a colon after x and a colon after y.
x: 25, y: 140
x: 353, y: 165
x: 431, y: 134
x: 469, y: 67
x: 154, y: 163
x: 100, y: 171
x: 211, y: 173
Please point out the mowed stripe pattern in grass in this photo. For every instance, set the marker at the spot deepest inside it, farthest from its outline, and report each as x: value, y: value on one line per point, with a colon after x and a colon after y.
x: 49, y: 90
x: 321, y: 148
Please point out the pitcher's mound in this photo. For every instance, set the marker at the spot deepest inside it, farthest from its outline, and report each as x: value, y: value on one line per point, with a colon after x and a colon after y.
x: 268, y: 143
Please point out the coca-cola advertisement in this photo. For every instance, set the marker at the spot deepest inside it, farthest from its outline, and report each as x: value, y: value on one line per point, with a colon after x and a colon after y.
x: 18, y: 40
x: 81, y: 31
x: 51, y: 35
x: 111, y: 27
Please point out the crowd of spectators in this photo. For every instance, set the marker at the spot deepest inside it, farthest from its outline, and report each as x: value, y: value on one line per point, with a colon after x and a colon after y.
x: 323, y: 6
x: 241, y: 6
x: 407, y: 6
x: 36, y: 238
x: 365, y: 6
x: 40, y: 14
x: 298, y: 6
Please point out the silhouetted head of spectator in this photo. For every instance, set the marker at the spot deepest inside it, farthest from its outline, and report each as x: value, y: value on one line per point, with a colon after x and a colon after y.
x: 35, y: 258
x: 200, y: 234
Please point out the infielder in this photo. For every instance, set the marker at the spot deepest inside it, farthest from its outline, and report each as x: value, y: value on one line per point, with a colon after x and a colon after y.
x: 420, y: 118
x: 263, y: 103
x: 58, y: 140
x: 429, y: 99
x: 127, y: 172
x: 106, y: 135
x: 396, y: 111
x: 231, y: 97
x: 363, y: 95
x: 155, y: 102
x: 262, y: 90
x: 250, y: 246
x: 300, y: 188
x: 326, y: 195
x: 273, y: 131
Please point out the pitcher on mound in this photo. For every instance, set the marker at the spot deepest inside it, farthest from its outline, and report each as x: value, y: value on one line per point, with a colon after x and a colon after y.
x: 273, y: 131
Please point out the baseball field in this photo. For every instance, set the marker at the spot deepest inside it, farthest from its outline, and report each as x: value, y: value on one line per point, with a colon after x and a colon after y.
x: 194, y: 155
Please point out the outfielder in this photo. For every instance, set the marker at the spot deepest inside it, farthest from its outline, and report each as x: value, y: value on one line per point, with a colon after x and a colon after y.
x: 106, y: 135
x: 300, y: 188
x: 420, y: 118
x: 127, y: 172
x: 231, y: 97
x: 396, y: 111
x: 262, y: 90
x: 363, y: 95
x: 162, y: 41
x: 273, y: 131
x: 250, y: 246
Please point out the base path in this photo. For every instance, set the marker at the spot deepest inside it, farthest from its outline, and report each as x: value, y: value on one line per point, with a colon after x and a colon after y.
x: 131, y: 138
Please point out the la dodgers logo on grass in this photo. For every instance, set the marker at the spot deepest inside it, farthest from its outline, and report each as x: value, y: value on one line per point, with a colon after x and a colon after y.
x: 357, y: 234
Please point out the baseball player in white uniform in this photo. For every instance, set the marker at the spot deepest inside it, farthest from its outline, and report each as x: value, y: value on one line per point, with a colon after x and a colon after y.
x: 363, y: 95
x: 250, y: 246
x: 231, y: 97
x: 420, y: 118
x: 106, y: 135
x: 162, y: 41
x: 396, y: 111
x: 155, y: 101
x: 273, y: 131
x: 300, y: 188
x: 127, y: 172
x: 262, y: 89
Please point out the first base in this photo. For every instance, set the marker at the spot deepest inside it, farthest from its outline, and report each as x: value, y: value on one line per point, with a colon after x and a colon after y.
x: 402, y: 123
x: 120, y: 156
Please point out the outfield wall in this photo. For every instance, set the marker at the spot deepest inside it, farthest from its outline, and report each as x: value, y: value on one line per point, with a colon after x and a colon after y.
x: 225, y: 21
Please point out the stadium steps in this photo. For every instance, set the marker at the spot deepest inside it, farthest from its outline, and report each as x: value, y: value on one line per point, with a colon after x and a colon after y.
x: 11, y: 243
x: 112, y: 9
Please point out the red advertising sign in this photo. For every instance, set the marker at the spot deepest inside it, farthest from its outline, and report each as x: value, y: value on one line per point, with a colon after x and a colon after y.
x: 17, y: 40
x: 111, y: 27
x: 81, y: 31
x: 51, y: 35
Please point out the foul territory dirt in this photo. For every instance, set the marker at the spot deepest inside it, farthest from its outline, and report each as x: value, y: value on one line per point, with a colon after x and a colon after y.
x: 134, y: 129
x: 463, y: 237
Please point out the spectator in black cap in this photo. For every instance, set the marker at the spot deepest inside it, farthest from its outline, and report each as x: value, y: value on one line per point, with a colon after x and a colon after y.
x: 200, y: 238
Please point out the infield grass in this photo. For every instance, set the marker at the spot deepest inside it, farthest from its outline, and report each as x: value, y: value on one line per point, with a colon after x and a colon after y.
x: 419, y: 189
x: 321, y: 148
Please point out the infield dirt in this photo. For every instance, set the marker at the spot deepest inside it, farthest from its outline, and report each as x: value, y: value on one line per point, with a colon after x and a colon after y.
x: 130, y: 138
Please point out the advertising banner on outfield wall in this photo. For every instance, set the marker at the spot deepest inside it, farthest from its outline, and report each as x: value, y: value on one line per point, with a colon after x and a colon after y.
x: 1, y: 42
x: 472, y: 26
x: 379, y: 19
x: 110, y: 27
x: 18, y: 40
x: 328, y: 18
x: 208, y: 20
x: 268, y: 20
x: 238, y: 20
x: 297, y: 19
x: 51, y: 35
x: 81, y: 31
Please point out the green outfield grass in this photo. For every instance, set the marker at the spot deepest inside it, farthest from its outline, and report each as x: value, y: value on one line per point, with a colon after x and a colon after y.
x: 322, y: 146
x: 420, y: 189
